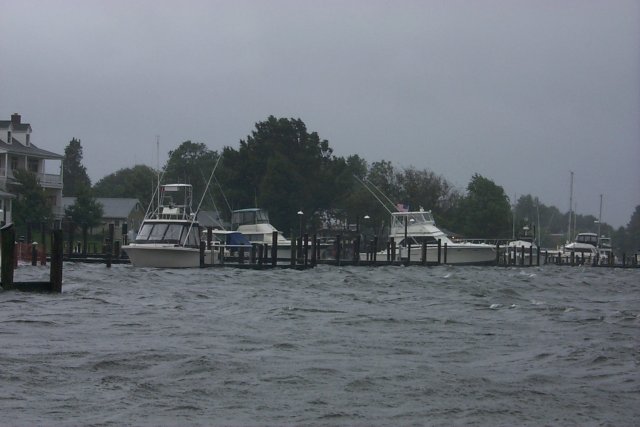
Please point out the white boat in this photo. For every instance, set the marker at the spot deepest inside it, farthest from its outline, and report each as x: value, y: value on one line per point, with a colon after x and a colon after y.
x: 419, y: 226
x: 526, y: 241
x: 169, y: 236
x: 254, y: 224
x: 585, y: 246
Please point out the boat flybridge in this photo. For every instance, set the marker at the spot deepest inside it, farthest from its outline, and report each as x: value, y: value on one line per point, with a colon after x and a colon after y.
x: 170, y: 235
x: 254, y: 224
x: 411, y: 229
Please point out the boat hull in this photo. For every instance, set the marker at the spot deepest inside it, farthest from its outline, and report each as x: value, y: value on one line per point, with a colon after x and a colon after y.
x: 472, y: 254
x: 162, y: 256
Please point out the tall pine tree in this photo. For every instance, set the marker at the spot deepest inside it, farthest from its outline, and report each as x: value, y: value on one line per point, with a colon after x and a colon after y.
x: 74, y: 173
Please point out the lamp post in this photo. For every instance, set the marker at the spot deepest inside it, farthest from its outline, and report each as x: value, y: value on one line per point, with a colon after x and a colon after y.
x: 300, y: 214
x: 366, y: 242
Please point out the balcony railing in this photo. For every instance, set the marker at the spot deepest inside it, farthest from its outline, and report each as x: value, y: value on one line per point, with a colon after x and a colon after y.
x: 46, y: 180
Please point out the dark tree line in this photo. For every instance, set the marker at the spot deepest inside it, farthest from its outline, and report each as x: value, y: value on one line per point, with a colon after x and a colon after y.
x: 284, y: 168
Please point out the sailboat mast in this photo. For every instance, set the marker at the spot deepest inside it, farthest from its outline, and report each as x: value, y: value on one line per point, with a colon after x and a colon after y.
x: 570, y: 208
x: 158, y: 166
x: 599, y: 220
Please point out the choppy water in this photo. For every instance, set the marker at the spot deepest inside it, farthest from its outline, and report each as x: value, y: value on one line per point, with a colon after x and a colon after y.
x: 328, y: 346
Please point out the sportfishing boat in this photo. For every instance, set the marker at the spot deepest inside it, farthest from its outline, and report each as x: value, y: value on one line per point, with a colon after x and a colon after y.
x: 170, y: 235
x: 254, y: 224
x: 585, y: 246
x: 410, y: 229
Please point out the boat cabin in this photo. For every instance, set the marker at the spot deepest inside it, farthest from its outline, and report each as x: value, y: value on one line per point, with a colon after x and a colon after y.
x: 588, y: 238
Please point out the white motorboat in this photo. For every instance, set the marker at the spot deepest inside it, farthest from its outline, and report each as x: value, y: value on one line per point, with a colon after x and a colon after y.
x: 410, y: 229
x: 169, y: 236
x: 254, y: 224
x: 584, y: 247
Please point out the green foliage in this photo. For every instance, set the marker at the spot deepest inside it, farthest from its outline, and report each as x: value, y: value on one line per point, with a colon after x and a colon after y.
x: 485, y: 211
x: 282, y: 168
x: 191, y: 163
x: 138, y: 182
x: 85, y: 210
x: 31, y: 206
x: 74, y: 173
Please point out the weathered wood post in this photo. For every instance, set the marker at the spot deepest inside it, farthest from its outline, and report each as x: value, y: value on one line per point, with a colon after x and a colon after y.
x: 293, y: 252
x: 274, y: 248
x: 498, y: 253
x: 252, y: 255
x: 43, y: 243
x: 125, y: 233
x: 260, y: 255
x: 85, y: 231
x: 439, y: 253
x: 110, y: 245
x: 241, y: 255
x: 209, y: 237
x: 356, y: 251
x: 8, y: 243
x: 57, y: 255
x: 393, y: 249
x: 522, y: 255
x: 424, y: 253
x: 375, y: 249
x: 445, y: 252
x: 34, y: 253
x: 306, y: 249
x: 338, y: 249
x: 202, y: 247
x: 71, y: 228
x: 538, y: 256
x: 314, y: 251
x: 408, y: 246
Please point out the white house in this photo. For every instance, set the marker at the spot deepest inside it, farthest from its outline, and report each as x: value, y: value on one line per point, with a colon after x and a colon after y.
x: 18, y: 152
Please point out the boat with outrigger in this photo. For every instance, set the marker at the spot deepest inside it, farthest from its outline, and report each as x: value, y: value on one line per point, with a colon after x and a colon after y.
x: 414, y: 231
x: 169, y: 235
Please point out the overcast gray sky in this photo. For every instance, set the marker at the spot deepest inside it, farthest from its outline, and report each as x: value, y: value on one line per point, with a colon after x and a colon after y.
x: 521, y: 92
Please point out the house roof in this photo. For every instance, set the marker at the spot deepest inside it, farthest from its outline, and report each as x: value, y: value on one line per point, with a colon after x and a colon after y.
x: 17, y: 148
x: 112, y: 207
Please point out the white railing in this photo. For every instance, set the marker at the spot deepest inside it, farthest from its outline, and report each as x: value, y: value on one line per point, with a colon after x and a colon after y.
x: 45, y: 179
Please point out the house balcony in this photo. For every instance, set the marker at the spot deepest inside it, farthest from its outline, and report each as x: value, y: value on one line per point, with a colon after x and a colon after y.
x: 46, y: 180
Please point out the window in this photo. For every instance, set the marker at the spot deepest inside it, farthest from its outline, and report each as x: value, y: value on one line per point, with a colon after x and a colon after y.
x: 8, y: 137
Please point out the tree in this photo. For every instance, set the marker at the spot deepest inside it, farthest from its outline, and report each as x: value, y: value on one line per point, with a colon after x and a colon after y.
x: 32, y: 205
x: 74, y: 173
x: 485, y: 211
x: 276, y: 152
x: 137, y: 182
x: 191, y: 163
x: 86, y: 210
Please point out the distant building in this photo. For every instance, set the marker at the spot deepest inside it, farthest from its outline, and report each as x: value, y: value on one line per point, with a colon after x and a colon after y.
x: 18, y: 152
x: 116, y: 211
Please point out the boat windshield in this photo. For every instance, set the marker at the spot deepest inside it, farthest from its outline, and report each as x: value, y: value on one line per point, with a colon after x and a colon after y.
x: 412, y: 218
x: 591, y: 239
x: 169, y: 233
x: 249, y: 216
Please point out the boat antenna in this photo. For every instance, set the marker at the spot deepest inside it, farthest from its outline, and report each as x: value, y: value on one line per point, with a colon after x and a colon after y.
x: 599, y: 220
x: 570, y: 206
x: 377, y: 194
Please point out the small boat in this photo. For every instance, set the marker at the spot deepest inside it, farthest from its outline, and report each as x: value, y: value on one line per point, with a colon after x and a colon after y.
x: 254, y: 224
x: 526, y: 241
x: 410, y: 229
x: 169, y: 236
x: 583, y: 247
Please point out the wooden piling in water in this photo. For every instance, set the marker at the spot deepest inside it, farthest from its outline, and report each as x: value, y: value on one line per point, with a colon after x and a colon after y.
x: 7, y: 245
